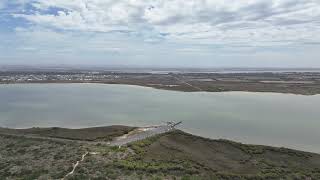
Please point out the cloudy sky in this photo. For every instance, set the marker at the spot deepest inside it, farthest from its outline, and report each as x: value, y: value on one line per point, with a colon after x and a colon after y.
x: 184, y: 33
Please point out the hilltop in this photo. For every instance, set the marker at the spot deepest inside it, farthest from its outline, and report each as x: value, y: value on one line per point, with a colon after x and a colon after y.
x: 37, y: 154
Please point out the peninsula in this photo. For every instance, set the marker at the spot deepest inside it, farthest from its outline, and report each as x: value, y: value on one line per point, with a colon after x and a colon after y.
x: 59, y: 153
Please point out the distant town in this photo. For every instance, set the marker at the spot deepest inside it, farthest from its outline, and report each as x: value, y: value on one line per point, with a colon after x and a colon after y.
x: 49, y: 76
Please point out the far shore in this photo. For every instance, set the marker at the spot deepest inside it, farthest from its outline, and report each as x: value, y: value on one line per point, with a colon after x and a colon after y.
x: 173, y: 88
x: 303, y: 83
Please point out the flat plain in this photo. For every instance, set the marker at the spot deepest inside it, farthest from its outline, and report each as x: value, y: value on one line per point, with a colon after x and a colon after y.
x: 305, y: 83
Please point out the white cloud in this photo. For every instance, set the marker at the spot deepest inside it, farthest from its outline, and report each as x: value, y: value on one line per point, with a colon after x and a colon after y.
x: 203, y: 21
x: 165, y: 31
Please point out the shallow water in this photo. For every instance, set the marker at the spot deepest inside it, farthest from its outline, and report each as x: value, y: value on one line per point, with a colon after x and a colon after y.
x: 258, y: 118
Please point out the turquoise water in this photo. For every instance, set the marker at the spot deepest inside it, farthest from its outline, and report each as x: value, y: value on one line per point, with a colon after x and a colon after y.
x: 259, y: 118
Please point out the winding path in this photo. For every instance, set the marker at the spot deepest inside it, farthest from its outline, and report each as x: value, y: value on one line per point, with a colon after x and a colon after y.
x: 142, y: 133
x: 76, y: 165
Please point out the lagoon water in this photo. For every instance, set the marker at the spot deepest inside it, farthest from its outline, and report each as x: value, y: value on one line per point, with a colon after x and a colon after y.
x: 276, y: 119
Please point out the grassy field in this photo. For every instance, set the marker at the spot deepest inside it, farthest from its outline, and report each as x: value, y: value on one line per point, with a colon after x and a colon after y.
x: 174, y: 155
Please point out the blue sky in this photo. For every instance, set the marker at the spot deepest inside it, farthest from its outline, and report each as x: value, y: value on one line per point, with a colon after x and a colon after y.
x: 175, y: 33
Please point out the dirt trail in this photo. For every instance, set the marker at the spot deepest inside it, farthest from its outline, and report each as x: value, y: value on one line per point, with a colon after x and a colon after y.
x: 142, y: 134
x: 76, y: 165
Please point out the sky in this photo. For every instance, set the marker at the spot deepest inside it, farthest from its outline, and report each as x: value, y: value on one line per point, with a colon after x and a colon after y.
x: 161, y: 33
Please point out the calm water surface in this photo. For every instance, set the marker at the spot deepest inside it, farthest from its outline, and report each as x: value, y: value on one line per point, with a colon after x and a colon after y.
x: 259, y: 118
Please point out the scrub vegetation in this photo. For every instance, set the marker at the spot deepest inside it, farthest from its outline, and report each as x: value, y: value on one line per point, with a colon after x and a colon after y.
x: 174, y: 155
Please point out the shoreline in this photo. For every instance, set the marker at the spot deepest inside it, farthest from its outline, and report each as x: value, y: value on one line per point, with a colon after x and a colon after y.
x: 164, y: 88
x: 302, y: 83
x: 171, y: 155
x: 46, y: 133
x: 305, y: 143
